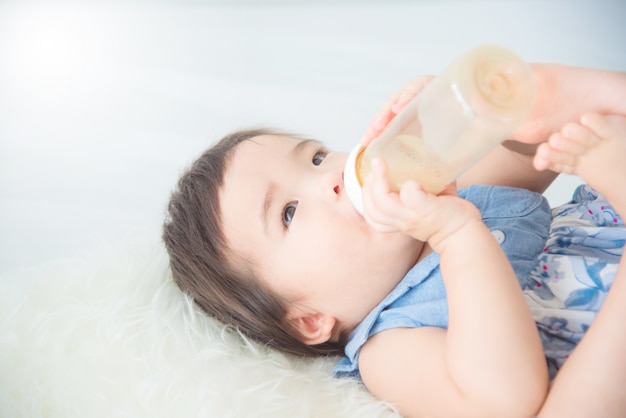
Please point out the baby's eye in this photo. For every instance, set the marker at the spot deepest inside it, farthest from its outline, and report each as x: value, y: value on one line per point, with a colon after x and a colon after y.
x: 288, y: 213
x: 319, y: 156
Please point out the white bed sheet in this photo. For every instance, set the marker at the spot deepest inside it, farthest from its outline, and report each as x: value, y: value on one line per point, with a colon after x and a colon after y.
x: 102, y: 105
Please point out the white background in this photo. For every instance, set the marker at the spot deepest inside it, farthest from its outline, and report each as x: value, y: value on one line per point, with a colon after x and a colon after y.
x: 102, y: 105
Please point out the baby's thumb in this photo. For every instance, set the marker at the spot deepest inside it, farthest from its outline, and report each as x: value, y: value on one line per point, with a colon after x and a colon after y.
x: 412, y: 193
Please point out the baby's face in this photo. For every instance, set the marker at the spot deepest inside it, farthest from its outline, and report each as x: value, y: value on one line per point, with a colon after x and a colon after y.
x: 284, y: 209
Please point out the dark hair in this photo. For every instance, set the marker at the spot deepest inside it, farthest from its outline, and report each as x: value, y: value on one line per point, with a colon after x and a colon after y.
x: 221, y: 283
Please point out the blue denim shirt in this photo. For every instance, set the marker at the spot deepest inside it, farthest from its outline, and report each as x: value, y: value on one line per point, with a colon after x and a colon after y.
x: 519, y: 220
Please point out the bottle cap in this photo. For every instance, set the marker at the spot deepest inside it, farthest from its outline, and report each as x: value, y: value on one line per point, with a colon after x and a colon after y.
x: 351, y: 183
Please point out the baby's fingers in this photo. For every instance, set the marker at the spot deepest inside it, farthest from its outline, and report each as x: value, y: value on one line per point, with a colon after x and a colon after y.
x: 573, y: 139
x: 563, y: 149
x: 549, y: 158
x: 605, y: 126
x: 383, y: 209
x: 376, y: 197
x: 394, y: 104
x: 378, y: 125
x: 412, y: 194
x: 408, y: 92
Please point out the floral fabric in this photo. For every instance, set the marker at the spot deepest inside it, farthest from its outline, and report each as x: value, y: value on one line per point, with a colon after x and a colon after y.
x: 574, y: 272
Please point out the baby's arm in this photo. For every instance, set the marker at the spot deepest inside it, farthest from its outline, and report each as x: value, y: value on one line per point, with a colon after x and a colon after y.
x: 592, y: 381
x: 490, y: 361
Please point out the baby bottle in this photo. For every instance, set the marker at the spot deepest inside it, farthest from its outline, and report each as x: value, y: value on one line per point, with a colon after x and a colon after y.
x: 459, y: 116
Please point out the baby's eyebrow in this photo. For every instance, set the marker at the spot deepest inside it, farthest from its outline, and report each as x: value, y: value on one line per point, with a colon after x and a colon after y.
x: 301, y: 146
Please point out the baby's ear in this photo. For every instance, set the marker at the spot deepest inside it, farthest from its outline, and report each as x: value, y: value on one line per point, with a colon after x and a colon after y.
x: 312, y: 327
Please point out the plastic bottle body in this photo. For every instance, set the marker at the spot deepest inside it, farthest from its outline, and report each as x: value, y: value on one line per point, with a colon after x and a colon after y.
x: 461, y: 115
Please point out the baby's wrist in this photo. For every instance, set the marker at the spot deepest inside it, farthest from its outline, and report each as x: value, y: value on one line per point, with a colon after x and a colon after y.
x: 460, y: 232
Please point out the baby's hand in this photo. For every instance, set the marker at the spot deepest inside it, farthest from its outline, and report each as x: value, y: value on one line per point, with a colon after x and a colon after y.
x: 424, y: 216
x: 393, y: 106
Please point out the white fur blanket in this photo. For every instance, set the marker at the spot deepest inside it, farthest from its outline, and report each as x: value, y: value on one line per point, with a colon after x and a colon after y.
x: 109, y: 334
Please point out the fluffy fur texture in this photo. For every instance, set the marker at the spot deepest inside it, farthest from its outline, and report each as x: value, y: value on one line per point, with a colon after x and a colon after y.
x: 109, y: 334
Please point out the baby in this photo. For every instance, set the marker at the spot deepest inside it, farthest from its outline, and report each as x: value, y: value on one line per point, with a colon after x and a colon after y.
x: 262, y: 235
